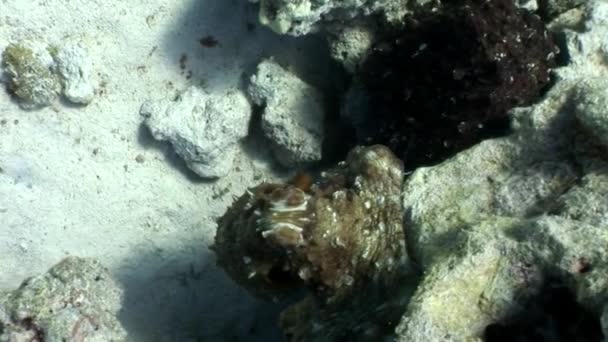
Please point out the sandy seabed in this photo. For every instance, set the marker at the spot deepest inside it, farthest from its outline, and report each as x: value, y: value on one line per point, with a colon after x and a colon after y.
x: 91, y: 181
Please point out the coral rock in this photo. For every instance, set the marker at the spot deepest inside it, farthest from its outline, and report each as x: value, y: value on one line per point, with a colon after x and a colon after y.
x: 30, y: 77
x: 76, y: 300
x: 293, y: 113
x: 74, y: 67
x: 203, y: 129
x: 511, y: 233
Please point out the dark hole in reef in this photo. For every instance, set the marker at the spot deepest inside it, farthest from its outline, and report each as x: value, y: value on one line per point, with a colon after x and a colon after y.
x: 563, y: 57
x: 29, y: 324
x: 448, y: 79
x: 279, y: 277
x: 552, y: 316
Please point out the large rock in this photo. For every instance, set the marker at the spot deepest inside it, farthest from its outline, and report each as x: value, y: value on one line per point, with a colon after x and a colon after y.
x: 204, y: 129
x: 293, y: 113
x: 513, y: 230
x: 76, y: 300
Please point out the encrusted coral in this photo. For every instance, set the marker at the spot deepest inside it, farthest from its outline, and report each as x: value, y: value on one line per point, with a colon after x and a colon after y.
x: 76, y: 300
x: 339, y: 238
x: 38, y: 73
x: 30, y: 76
x: 447, y: 80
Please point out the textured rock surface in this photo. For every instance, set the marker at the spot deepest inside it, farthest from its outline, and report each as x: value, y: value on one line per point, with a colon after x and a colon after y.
x: 530, y: 5
x: 38, y: 73
x: 29, y: 76
x: 502, y: 227
x: 303, y: 16
x: 75, y: 69
x: 339, y: 238
x: 204, y: 129
x: 91, y: 180
x: 76, y: 300
x: 349, y: 45
x: 293, y: 113
x: 591, y: 107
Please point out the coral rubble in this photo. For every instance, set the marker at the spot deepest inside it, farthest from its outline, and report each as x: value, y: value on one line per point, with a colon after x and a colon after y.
x: 447, y: 79
x: 76, y: 300
x: 305, y: 16
x: 75, y: 70
x: 38, y: 73
x: 340, y: 237
x: 293, y: 115
x: 204, y: 129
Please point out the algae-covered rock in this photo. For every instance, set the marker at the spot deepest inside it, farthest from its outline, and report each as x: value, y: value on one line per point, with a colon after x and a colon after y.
x: 339, y: 238
x: 496, y: 177
x: 591, y: 104
x: 76, y: 300
x: 30, y: 76
x: 470, y: 289
x: 535, y: 200
x: 501, y: 270
x: 38, y: 73
x: 509, y: 237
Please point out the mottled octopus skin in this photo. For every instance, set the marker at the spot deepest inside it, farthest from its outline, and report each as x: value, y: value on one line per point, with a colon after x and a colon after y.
x: 339, y: 237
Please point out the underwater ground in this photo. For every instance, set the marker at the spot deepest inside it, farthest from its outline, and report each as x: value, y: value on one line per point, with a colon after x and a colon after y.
x: 188, y: 170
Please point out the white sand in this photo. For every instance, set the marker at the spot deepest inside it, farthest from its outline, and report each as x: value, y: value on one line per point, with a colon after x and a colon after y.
x: 71, y: 184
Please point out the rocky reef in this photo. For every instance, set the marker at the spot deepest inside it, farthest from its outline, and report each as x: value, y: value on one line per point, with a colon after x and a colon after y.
x: 501, y: 239
x: 509, y: 222
x: 338, y: 237
x: 76, y: 300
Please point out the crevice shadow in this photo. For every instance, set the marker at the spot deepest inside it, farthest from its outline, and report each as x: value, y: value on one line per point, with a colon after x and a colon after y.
x: 179, y: 294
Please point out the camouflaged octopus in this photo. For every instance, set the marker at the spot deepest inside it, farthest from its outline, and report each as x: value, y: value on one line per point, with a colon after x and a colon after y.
x: 336, y: 237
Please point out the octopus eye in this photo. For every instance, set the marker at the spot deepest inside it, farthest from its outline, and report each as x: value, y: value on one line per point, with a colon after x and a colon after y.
x: 302, y: 181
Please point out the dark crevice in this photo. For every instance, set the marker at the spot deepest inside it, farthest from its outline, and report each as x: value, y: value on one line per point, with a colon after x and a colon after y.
x: 551, y: 316
x: 448, y: 79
